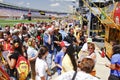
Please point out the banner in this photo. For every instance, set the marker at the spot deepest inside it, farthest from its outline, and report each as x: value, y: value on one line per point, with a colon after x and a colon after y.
x: 3, y: 75
x: 117, y: 14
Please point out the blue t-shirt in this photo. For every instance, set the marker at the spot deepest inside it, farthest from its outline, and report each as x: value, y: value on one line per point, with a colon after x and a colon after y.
x: 115, y: 60
x: 63, y: 33
x: 45, y: 42
x: 58, y: 60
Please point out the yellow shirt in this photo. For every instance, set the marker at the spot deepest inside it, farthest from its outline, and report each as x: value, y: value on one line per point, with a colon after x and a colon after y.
x: 66, y: 64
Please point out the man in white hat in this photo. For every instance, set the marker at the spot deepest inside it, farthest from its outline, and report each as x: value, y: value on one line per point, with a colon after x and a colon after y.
x: 48, y: 41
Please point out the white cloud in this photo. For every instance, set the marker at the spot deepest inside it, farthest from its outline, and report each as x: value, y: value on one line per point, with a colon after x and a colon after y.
x: 77, y: 3
x: 70, y: 8
x: 1, y: 0
x: 70, y: 0
x: 54, y: 4
x: 20, y: 3
x: 28, y: 3
x: 62, y: 0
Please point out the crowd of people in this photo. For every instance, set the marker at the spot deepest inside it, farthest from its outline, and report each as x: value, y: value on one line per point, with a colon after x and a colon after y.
x: 45, y: 43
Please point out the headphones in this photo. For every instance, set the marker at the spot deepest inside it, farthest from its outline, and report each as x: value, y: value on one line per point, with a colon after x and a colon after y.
x: 30, y: 41
x: 16, y: 45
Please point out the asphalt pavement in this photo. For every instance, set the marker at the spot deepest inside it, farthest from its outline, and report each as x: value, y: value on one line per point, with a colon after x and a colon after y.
x: 102, y: 71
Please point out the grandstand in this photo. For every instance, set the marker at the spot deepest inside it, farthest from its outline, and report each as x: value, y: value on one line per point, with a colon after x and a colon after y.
x: 15, y: 12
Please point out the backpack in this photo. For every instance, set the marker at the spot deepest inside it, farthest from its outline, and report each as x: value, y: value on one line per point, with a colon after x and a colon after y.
x: 22, y: 67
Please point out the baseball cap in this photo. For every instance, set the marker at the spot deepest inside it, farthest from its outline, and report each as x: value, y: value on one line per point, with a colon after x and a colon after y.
x: 64, y: 44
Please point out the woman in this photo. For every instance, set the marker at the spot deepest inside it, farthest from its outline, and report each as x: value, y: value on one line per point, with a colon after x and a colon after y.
x: 91, y: 51
x: 69, y: 62
x: 40, y: 65
x: 92, y: 54
x: 12, y: 57
x: 32, y: 54
x: 115, y: 64
x: 86, y: 66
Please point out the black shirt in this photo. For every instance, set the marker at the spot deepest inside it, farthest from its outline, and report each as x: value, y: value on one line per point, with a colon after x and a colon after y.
x: 15, y: 55
x: 70, y: 38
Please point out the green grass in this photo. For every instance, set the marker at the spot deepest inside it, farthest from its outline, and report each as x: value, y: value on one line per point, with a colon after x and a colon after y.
x: 13, y: 22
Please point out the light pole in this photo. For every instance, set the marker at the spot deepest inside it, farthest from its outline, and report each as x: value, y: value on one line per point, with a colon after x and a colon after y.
x: 89, y: 20
x: 73, y: 9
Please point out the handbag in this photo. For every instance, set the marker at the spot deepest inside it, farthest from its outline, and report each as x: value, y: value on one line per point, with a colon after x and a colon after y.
x: 73, y: 78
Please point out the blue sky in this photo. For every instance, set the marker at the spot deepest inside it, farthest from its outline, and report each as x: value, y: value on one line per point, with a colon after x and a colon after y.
x: 50, y: 5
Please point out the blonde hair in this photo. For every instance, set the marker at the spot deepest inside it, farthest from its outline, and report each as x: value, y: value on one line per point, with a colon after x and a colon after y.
x: 90, y: 44
x: 30, y: 40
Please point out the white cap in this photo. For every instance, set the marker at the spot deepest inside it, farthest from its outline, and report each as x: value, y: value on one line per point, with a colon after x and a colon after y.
x: 50, y: 29
x: 39, y: 28
x: 89, y: 39
x: 15, y: 31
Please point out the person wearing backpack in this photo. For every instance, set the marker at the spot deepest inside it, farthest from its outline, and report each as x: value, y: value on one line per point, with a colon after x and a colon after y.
x: 12, y: 58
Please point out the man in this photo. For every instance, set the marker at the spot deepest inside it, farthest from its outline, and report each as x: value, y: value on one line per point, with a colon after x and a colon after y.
x: 60, y: 55
x: 48, y: 41
x: 63, y: 33
x: 7, y: 38
x: 57, y: 37
x: 70, y: 38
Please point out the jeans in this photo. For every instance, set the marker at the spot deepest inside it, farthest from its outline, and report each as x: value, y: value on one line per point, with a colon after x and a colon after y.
x: 49, y: 60
x: 55, y: 52
x: 59, y: 72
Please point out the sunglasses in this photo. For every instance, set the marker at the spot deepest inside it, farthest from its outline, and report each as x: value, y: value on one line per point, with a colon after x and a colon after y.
x: 90, y: 48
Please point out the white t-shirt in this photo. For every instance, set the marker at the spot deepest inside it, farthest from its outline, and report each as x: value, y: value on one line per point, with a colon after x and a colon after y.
x: 93, y: 56
x: 85, y: 47
x: 31, y: 52
x: 79, y: 76
x: 40, y: 68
